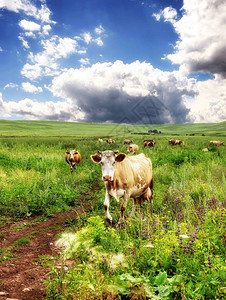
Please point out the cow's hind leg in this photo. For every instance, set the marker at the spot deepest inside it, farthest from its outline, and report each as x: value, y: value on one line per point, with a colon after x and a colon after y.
x: 135, y: 200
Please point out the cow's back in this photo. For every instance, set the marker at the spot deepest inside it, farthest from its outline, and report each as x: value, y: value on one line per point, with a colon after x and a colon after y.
x: 132, y: 171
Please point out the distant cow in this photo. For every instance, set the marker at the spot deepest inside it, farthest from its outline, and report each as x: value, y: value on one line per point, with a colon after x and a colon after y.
x: 100, y: 141
x: 149, y: 143
x: 133, y: 148
x: 125, y: 176
x: 217, y: 143
x: 175, y: 142
x: 110, y: 141
x: 73, y: 157
x: 127, y: 141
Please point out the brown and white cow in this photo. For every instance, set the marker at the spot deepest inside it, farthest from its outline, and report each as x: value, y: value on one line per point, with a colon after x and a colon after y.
x: 110, y: 141
x: 100, y: 141
x: 73, y: 157
x: 217, y: 143
x: 149, y: 143
x: 126, y: 141
x: 175, y: 142
x: 133, y: 148
x: 125, y: 176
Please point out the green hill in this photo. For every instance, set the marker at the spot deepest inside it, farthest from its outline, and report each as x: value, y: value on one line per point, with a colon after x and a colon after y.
x: 53, y: 128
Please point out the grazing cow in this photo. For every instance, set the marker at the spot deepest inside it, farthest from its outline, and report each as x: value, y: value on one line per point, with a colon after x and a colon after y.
x: 125, y: 176
x: 149, y: 143
x: 176, y: 142
x: 73, y: 157
x: 133, y: 148
x: 127, y: 141
x: 217, y: 143
x: 100, y: 141
x: 110, y: 141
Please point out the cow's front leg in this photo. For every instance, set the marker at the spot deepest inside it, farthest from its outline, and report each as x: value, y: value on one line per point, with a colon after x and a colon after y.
x: 71, y: 169
x: 106, y: 208
x: 123, y: 207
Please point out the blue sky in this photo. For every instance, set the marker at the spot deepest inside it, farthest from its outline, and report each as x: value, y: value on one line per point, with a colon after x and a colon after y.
x: 100, y: 60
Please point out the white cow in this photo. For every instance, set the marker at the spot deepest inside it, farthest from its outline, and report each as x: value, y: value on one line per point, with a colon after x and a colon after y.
x: 125, y: 177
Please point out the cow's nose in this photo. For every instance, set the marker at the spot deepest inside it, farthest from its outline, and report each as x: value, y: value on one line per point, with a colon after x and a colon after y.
x: 107, y: 178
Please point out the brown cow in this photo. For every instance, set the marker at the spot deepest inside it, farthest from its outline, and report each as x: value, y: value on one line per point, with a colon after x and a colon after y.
x: 149, y: 143
x: 73, y: 157
x: 217, y: 143
x: 133, y: 148
x: 127, y: 141
x: 110, y: 141
x: 175, y: 142
x: 125, y: 176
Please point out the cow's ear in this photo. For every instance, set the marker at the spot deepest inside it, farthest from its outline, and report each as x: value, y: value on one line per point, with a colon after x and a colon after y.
x: 120, y: 157
x: 95, y: 158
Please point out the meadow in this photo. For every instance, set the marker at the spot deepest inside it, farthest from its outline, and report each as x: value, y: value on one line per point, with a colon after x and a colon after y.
x: 176, y: 252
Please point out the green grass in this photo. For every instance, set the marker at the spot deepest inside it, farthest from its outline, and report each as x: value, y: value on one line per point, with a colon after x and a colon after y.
x: 178, y: 252
x: 52, y: 128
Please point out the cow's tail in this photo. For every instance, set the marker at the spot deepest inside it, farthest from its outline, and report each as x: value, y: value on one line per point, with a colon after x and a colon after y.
x: 151, y: 187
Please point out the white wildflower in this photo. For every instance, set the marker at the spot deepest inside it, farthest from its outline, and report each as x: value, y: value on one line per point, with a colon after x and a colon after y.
x: 184, y: 236
x: 149, y: 246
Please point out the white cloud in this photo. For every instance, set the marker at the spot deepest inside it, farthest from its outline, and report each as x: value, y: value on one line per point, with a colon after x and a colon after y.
x: 30, y: 88
x: 42, y: 14
x: 168, y: 13
x: 209, y: 104
x: 11, y: 85
x: 31, y: 71
x: 111, y: 91
x: 24, y: 42
x: 99, y: 30
x: 29, y: 25
x: 202, y: 40
x: 99, y: 42
x: 87, y: 37
x: 34, y: 110
x: 45, y: 63
x: 46, y: 29
x: 84, y: 61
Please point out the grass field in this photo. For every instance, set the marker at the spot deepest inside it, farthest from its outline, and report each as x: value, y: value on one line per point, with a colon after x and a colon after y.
x: 50, y: 128
x: 178, y: 252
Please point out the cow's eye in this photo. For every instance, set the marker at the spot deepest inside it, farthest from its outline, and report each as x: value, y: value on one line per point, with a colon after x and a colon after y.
x: 101, y: 163
x: 113, y: 163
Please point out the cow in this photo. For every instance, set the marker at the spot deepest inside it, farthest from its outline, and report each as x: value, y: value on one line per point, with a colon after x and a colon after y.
x: 175, y: 142
x: 133, y: 148
x: 100, y: 141
x: 110, y: 141
x: 73, y: 157
x: 127, y: 141
x: 217, y: 143
x: 125, y: 176
x: 149, y: 143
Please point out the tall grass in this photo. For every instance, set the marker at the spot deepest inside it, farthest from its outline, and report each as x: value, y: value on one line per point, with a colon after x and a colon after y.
x: 175, y: 253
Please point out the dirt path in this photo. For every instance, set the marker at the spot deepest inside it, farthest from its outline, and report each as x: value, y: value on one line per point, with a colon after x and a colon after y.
x: 21, y: 277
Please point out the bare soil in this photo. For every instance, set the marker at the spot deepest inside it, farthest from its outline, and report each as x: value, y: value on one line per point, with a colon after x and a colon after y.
x: 22, y: 276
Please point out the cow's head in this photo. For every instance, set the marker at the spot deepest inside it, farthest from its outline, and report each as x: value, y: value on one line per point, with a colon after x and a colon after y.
x: 72, y: 153
x: 107, y: 159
